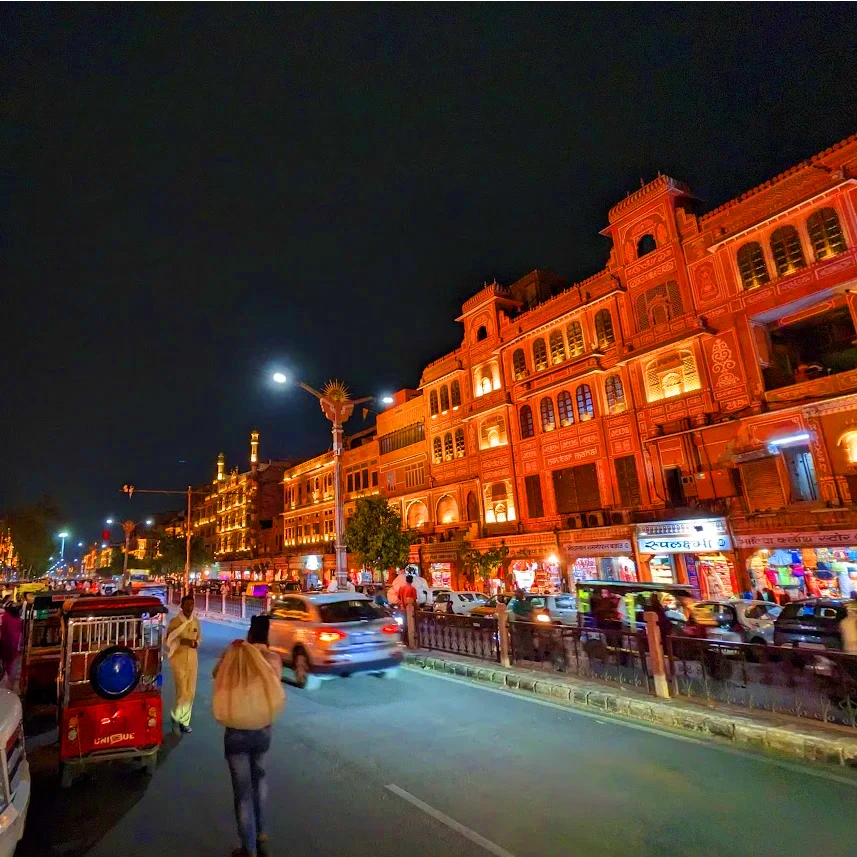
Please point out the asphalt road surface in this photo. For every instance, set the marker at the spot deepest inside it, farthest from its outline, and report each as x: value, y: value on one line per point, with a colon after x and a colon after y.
x: 423, y: 766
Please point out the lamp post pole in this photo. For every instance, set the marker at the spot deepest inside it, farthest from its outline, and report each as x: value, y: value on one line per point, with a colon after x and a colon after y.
x: 337, y: 406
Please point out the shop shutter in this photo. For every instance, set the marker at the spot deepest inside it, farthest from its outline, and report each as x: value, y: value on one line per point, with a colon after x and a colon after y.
x: 762, y: 484
x: 576, y: 489
x: 535, y: 506
x: 628, y: 481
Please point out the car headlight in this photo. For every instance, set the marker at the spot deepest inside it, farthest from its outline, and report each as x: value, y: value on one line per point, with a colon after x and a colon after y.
x: 542, y: 617
x: 400, y: 620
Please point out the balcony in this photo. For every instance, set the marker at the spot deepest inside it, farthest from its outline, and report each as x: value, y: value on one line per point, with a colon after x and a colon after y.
x: 813, y: 358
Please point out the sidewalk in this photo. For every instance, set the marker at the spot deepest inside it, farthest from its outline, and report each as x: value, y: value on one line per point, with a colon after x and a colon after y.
x: 756, y: 731
x: 759, y: 731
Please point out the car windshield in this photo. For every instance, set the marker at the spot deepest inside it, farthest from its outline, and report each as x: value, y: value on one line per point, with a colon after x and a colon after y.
x: 356, y: 610
x: 536, y: 600
x: 465, y: 596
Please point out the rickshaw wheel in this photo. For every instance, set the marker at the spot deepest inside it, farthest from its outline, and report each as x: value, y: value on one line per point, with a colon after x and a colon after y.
x: 66, y: 776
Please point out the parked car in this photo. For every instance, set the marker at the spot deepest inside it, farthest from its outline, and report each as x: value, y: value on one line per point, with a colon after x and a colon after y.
x: 325, y: 635
x: 558, y: 609
x: 489, y: 608
x: 15, y: 773
x: 743, y: 621
x: 459, y: 603
x: 433, y: 593
x: 811, y: 624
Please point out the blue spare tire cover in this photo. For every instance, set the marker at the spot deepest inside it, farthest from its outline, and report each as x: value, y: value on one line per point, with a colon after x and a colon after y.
x: 115, y: 672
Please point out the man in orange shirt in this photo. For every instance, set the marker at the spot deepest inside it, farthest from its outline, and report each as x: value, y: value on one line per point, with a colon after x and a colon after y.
x: 408, y: 593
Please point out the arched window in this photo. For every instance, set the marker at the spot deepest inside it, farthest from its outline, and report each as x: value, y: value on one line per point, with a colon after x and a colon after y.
x: 485, y: 385
x: 585, y: 409
x: 433, y: 406
x: 548, y: 417
x: 455, y: 392
x: 786, y: 250
x: 448, y: 450
x: 460, y: 449
x: 825, y: 233
x: 540, y: 355
x: 417, y: 515
x: 481, y: 333
x: 557, y: 344
x: 751, y: 265
x: 437, y: 450
x: 493, y: 432
x: 604, y: 328
x: 671, y: 375
x: 526, y: 418
x: 444, y: 399
x: 646, y: 245
x: 447, y: 510
x: 574, y: 332
x: 615, y: 393
x: 519, y: 364
x: 565, y: 408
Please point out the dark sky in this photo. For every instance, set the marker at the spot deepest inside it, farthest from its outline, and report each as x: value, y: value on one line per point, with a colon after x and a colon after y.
x: 197, y: 194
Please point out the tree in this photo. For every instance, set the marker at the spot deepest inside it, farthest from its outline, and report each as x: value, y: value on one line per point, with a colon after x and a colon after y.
x: 375, y: 534
x: 485, y: 563
x: 172, y: 551
x: 33, y: 531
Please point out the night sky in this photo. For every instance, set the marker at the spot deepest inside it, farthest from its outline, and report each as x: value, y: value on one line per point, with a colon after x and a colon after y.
x: 196, y: 195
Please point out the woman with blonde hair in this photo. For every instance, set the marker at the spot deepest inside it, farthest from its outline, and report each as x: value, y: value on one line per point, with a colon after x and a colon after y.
x: 248, y: 695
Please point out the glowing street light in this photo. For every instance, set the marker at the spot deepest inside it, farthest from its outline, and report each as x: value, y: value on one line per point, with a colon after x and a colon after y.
x: 109, y: 521
x: 387, y: 400
x: 63, y: 536
x: 337, y: 406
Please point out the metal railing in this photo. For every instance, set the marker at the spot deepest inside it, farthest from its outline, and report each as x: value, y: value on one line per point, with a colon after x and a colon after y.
x: 460, y: 635
x: 618, y: 656
x: 815, y: 684
x: 235, y: 606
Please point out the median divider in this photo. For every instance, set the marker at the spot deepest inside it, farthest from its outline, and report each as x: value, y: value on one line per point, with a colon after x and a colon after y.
x: 783, y: 736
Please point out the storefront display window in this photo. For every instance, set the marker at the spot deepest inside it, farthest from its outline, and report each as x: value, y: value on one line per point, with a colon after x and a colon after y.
x: 604, y: 568
x: 805, y: 572
x: 662, y: 569
x: 440, y: 574
x: 716, y: 577
x: 545, y: 577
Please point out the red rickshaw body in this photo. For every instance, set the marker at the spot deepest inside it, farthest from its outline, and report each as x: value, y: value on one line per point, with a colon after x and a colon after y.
x: 94, y: 726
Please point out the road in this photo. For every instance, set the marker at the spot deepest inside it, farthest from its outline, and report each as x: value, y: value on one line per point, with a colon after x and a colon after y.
x: 424, y: 766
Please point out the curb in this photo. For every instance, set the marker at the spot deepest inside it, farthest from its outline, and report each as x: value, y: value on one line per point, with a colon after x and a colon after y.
x: 807, y: 743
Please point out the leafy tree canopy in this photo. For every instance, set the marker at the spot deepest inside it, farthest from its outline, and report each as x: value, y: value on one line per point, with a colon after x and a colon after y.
x: 375, y: 534
x: 172, y: 551
x: 485, y: 563
x: 34, y: 530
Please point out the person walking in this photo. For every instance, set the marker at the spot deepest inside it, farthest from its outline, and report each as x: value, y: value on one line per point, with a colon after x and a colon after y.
x: 10, y: 641
x: 183, y: 637
x: 248, y: 691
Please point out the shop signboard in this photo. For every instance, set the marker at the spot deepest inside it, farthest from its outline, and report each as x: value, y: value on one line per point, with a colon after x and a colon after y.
x: 620, y: 547
x: 701, y: 543
x: 820, y: 538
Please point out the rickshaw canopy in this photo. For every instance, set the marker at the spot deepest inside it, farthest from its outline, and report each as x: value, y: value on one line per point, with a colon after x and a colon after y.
x: 113, y: 605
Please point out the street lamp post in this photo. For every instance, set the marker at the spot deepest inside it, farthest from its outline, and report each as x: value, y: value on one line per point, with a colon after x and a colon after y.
x: 131, y: 490
x: 62, y: 536
x: 337, y: 406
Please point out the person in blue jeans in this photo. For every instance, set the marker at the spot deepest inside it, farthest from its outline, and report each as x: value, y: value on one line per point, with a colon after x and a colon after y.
x: 245, y: 750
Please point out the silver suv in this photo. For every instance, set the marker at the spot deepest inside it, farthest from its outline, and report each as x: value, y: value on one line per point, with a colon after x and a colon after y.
x: 333, y: 634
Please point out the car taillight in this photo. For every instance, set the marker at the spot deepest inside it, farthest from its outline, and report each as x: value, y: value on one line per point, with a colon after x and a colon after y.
x: 390, y: 629
x: 330, y: 636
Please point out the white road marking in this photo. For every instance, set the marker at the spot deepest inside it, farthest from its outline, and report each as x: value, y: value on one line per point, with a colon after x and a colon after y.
x: 451, y: 823
x: 642, y: 727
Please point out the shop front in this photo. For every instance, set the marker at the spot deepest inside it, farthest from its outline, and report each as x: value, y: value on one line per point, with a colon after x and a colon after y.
x: 541, y: 576
x: 439, y: 564
x: 696, y: 552
x: 802, y: 564
x: 593, y: 559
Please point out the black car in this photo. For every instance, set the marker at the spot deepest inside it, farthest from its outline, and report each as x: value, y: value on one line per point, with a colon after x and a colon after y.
x: 812, y: 624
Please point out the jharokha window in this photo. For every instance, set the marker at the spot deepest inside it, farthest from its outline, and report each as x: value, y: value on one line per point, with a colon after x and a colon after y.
x: 786, y: 250
x: 540, y: 355
x: 574, y: 332
x: 433, y: 405
x: 825, y: 233
x: 557, y: 344
x: 493, y: 433
x: 671, y: 375
x: 447, y: 447
x: 547, y: 412
x: 455, y: 391
x: 444, y: 399
x: 526, y: 418
x: 751, y: 265
x: 604, y: 328
x: 519, y: 364
x: 460, y: 448
x: 565, y: 408
x: 585, y: 407
x: 437, y: 450
x: 615, y: 393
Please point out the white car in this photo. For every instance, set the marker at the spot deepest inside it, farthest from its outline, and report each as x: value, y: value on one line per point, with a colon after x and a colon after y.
x: 434, y: 592
x: 333, y: 634
x: 737, y: 621
x: 459, y: 603
x: 15, y: 775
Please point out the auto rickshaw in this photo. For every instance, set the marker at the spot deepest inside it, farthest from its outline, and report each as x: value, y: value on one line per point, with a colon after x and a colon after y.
x: 110, y: 682
x: 42, y: 639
